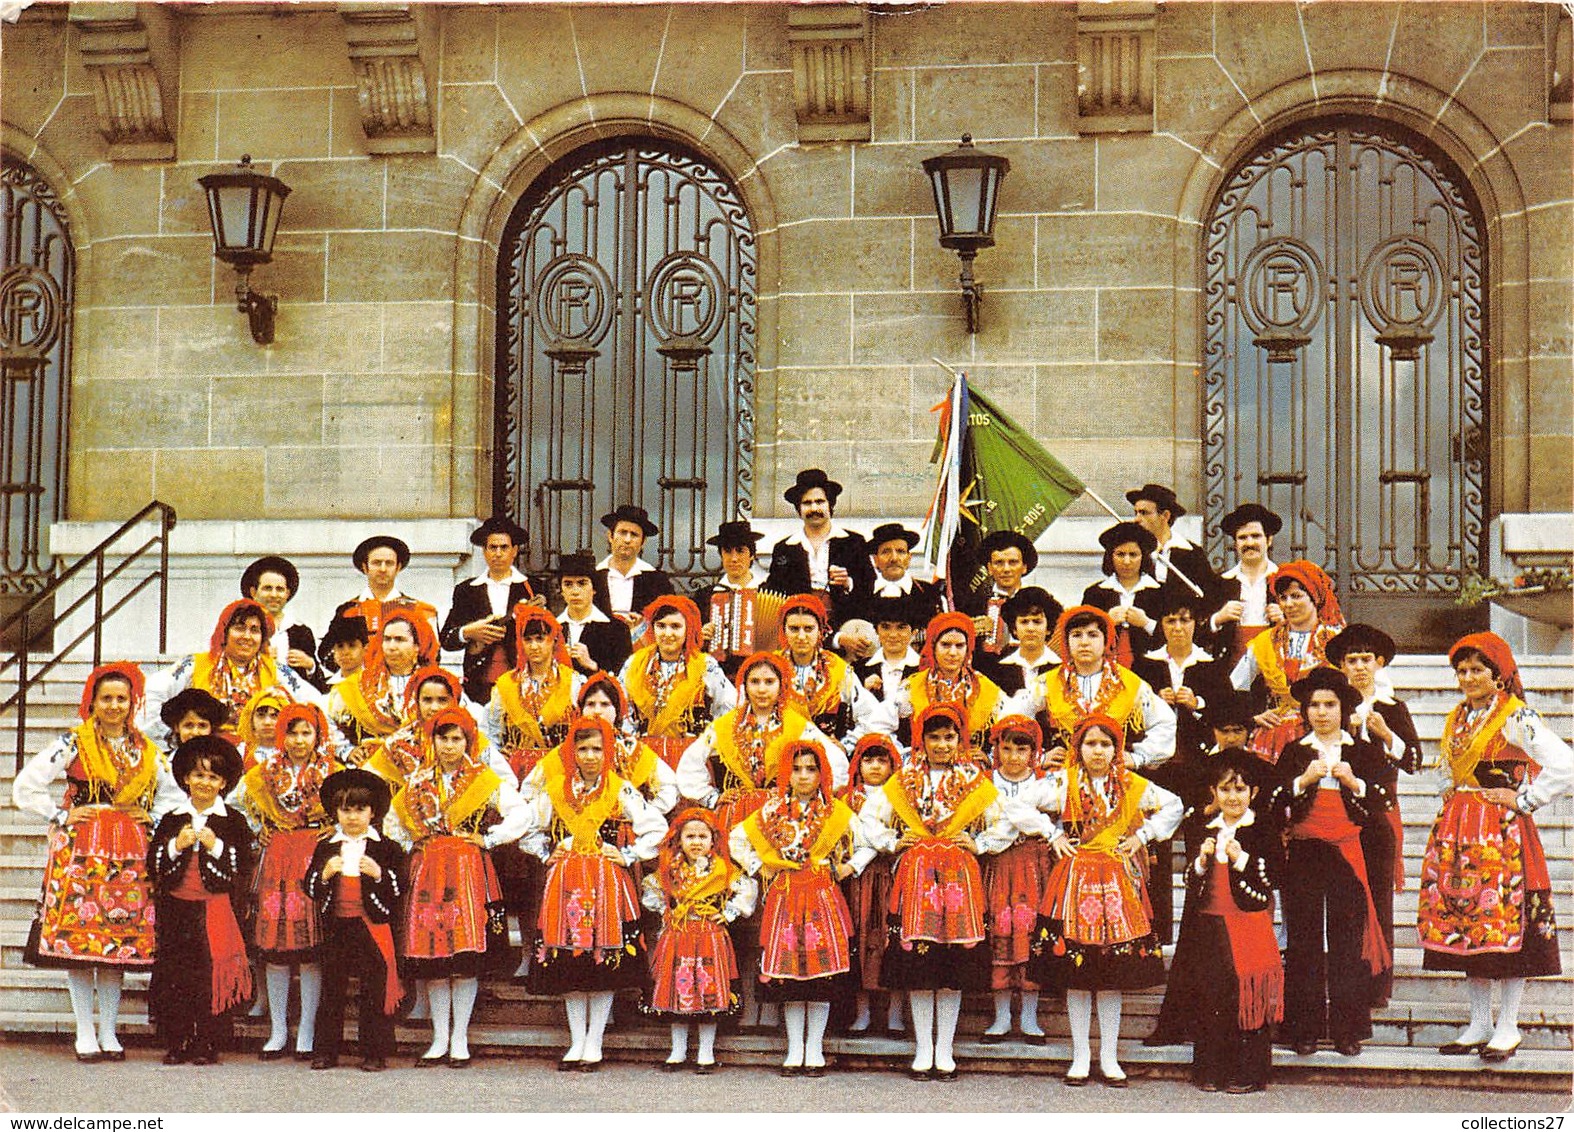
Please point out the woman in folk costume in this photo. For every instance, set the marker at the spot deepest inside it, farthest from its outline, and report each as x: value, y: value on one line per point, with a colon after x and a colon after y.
x: 95, y: 916
x: 1014, y: 877
x: 282, y: 797
x: 590, y: 943
x: 868, y: 893
x: 693, y: 967
x: 675, y: 686
x: 371, y: 705
x: 254, y: 729
x: 937, y: 813
x: 802, y: 842
x: 1331, y: 785
x: 1288, y: 651
x: 1128, y: 592
x: 1095, y: 934
x: 829, y: 690
x: 946, y: 676
x: 197, y: 859
x: 453, y: 810
x: 532, y: 702
x: 1485, y: 906
x: 235, y: 668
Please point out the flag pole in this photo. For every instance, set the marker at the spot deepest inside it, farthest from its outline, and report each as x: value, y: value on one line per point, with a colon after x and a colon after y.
x: 1174, y: 569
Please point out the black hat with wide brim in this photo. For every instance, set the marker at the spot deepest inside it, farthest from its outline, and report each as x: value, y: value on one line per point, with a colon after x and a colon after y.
x: 735, y: 534
x: 1160, y: 496
x: 499, y: 525
x: 1360, y: 637
x: 807, y: 480
x: 892, y: 532
x: 629, y: 513
x: 362, y: 552
x: 341, y: 780
x: 1325, y: 679
x: 1251, y: 513
x: 270, y: 564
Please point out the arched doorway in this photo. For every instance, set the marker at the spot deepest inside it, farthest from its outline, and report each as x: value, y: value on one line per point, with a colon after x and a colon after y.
x: 37, y: 278
x: 1345, y: 349
x: 626, y: 328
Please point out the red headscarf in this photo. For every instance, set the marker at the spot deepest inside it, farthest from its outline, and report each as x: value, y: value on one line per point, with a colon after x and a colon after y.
x: 869, y: 742
x: 672, y: 848
x: 1318, y: 585
x: 943, y: 623
x: 608, y: 683
x: 1074, y: 768
x: 952, y: 712
x: 232, y: 611
x: 789, y: 754
x: 806, y: 603
x: 673, y: 603
x: 126, y: 671
x: 456, y: 716
x: 1018, y: 725
x: 779, y: 665
x: 526, y: 615
x: 294, y: 712
x: 1499, y: 656
x: 412, y: 690
x: 1057, y: 639
x: 577, y: 728
x: 374, y: 666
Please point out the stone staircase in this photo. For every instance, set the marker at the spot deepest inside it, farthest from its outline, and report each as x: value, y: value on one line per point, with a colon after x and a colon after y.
x: 1426, y: 1010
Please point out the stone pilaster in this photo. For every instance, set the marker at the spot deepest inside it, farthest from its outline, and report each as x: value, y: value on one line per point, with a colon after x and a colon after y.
x: 830, y: 71
x: 1115, y: 55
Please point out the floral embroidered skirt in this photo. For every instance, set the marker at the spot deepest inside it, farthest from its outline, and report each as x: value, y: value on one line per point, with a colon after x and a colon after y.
x: 1094, y: 929
x: 96, y: 908
x: 935, y: 932
x: 590, y: 932
x: 454, y: 921
x: 693, y: 969
x: 805, y: 937
x: 1485, y: 904
x: 286, y: 927
x: 1014, y: 888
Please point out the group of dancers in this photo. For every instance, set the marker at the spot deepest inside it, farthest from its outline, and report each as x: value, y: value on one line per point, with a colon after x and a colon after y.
x: 895, y: 800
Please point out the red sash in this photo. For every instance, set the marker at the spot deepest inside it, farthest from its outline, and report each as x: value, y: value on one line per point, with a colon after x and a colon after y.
x: 1254, y: 952
x: 347, y: 905
x: 1329, y: 822
x: 231, y: 981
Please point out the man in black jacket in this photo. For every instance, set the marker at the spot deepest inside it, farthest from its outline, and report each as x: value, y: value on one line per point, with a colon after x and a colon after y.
x: 822, y: 558
x: 271, y: 582
x: 1156, y: 508
x: 480, y: 611
x: 596, y: 642
x: 625, y: 582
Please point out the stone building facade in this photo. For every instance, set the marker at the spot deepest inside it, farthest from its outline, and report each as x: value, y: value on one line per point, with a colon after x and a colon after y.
x: 410, y: 134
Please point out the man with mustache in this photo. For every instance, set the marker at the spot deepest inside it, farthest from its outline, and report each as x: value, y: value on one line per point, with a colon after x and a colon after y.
x: 823, y: 558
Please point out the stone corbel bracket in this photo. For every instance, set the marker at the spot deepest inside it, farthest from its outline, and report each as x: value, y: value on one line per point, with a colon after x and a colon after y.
x: 1115, y: 64
x: 132, y: 52
x: 386, y: 42
x: 830, y: 71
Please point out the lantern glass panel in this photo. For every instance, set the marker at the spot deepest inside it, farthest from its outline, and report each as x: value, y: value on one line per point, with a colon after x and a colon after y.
x: 966, y: 199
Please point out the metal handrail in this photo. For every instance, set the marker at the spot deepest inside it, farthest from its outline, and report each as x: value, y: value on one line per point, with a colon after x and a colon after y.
x: 96, y: 557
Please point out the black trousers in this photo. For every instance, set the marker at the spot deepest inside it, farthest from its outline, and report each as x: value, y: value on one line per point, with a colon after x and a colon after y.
x: 1327, y: 987
x: 1161, y: 889
x: 348, y: 949
x: 181, y: 991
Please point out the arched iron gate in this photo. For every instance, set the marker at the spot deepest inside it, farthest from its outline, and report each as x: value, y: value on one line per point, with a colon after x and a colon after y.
x: 1345, y: 352
x: 36, y: 295
x: 627, y: 281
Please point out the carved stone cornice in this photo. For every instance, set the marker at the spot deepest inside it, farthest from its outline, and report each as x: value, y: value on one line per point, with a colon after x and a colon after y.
x: 385, y: 42
x: 1115, y: 66
x: 830, y: 71
x: 132, y: 53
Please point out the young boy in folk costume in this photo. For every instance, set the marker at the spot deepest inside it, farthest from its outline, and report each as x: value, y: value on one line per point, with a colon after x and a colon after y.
x: 868, y: 893
x: 198, y: 859
x: 454, y: 809
x: 802, y: 842
x: 357, y: 879
x: 1014, y: 877
x: 282, y: 797
x: 674, y: 686
x: 698, y: 892
x: 189, y: 714
x: 1485, y: 905
x: 937, y: 813
x: 590, y: 943
x: 1289, y: 650
x: 946, y: 676
x: 254, y: 729
x: 532, y: 702
x: 825, y: 683
x: 1095, y: 936
x: 732, y: 630
x: 1090, y: 682
x: 370, y: 705
x: 1330, y: 787
x: 1226, y: 984
x: 93, y: 916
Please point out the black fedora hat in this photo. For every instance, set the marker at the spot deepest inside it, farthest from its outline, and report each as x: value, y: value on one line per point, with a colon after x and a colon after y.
x: 576, y: 566
x: 1229, y: 708
x: 902, y: 609
x: 735, y: 534
x: 811, y: 478
x: 1128, y: 531
x: 205, y: 704
x: 341, y: 780
x: 270, y: 564
x: 1251, y: 513
x: 362, y: 552
x: 499, y: 525
x: 892, y: 532
x: 1325, y: 679
x: 1360, y: 637
x: 223, y: 759
x: 1000, y: 540
x: 1158, y: 495
x: 346, y: 627
x: 629, y: 513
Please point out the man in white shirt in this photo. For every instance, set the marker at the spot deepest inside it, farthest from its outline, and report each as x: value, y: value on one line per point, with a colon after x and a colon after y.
x: 1155, y: 508
x: 626, y: 583
x: 596, y: 643
x: 1245, y: 607
x: 479, y: 614
x: 271, y: 582
x: 824, y: 557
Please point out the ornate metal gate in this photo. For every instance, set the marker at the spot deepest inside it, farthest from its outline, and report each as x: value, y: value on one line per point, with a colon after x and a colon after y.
x: 625, y: 347
x: 1345, y: 349
x: 36, y: 283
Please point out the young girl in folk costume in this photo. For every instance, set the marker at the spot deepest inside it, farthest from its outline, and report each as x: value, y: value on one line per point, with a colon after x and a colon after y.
x: 403, y: 752
x: 946, y: 676
x: 454, y: 809
x: 197, y: 859
x: 937, y: 813
x: 1014, y: 877
x: 531, y: 703
x: 254, y: 729
x: 868, y: 893
x: 1288, y: 651
x: 1226, y: 984
x: 1486, y: 904
x: 826, y: 685
x: 801, y: 843
x: 282, y: 795
x: 1095, y: 937
x: 1330, y: 786
x: 698, y: 891
x: 95, y: 916
x: 590, y: 943
x: 674, y: 685
x: 372, y: 704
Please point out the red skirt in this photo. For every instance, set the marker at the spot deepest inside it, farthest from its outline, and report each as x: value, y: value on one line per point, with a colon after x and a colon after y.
x: 693, y: 968
x: 286, y: 918
x: 738, y: 806
x: 96, y: 908
x: 587, y: 900
x: 1014, y: 886
x: 938, y: 894
x: 451, y: 884
x: 805, y: 927
x: 868, y: 896
x: 1098, y: 899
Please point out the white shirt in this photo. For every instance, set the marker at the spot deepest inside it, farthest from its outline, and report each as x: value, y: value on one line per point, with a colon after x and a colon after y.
x: 1127, y: 598
x: 884, y: 587
x: 620, y: 586
x: 199, y: 822
x: 1332, y: 753
x: 1031, y: 669
x: 1178, y: 668
x: 1161, y: 556
x: 753, y: 582
x: 1224, y: 833
x: 891, y: 672
x: 352, y: 849
x: 497, y: 592
x: 819, y: 556
x: 1163, y: 810
x: 573, y: 630
x: 1254, y: 593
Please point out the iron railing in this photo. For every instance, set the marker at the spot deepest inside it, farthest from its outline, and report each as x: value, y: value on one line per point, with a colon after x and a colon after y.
x: 21, y: 621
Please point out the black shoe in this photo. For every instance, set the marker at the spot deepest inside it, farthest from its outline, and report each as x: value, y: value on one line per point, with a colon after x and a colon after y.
x: 1244, y: 1090
x: 304, y: 1055
x: 1461, y: 1049
x: 431, y: 1062
x: 1348, y: 1048
x: 672, y: 1066
x: 1074, y: 1082
x: 272, y: 1054
x: 945, y: 1075
x: 705, y: 1068
x: 112, y: 1055
x: 1498, y: 1056
x: 921, y: 1074
x: 1112, y: 1082
x: 1305, y: 1049
x: 790, y: 1071
x: 566, y: 1066
x: 814, y: 1071
x: 373, y: 1064
x: 173, y: 1057
x: 988, y: 1039
x: 205, y: 1057
x: 1206, y: 1086
x: 590, y: 1066
x: 325, y: 1062
x: 458, y: 1062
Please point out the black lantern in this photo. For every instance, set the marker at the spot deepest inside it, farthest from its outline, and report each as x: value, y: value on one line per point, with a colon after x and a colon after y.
x: 966, y: 184
x: 243, y: 208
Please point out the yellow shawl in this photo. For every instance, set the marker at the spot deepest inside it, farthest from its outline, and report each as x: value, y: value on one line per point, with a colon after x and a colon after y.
x: 980, y: 710
x: 967, y: 811
x: 554, y: 709
x: 1124, y: 707
x: 584, y: 826
x: 355, y: 700
x: 793, y: 724
x: 137, y: 786
x: 475, y: 794
x: 1461, y: 758
x: 832, y: 830
x: 688, y: 689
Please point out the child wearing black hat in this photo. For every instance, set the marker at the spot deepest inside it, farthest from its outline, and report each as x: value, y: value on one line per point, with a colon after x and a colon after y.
x: 734, y: 628
x: 190, y: 713
x: 197, y: 857
x: 356, y: 879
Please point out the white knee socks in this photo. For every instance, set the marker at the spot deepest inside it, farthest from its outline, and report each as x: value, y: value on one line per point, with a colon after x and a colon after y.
x: 1002, y: 1023
x: 794, y: 1021
x: 1506, y: 1035
x: 893, y: 1012
x: 277, y: 979
x: 599, y: 1009
x: 1030, y: 1025
x: 948, y: 1008
x: 80, y: 983
x: 707, y: 1050
x: 577, y: 1006
x: 819, y: 1013
x: 440, y: 993
x: 465, y: 992
x: 1109, y: 1033
x: 1478, y: 992
x: 921, y: 1003
x: 861, y: 1019
x: 680, y: 1043
x: 311, y: 995
x: 1079, y: 1012
x: 108, y: 983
